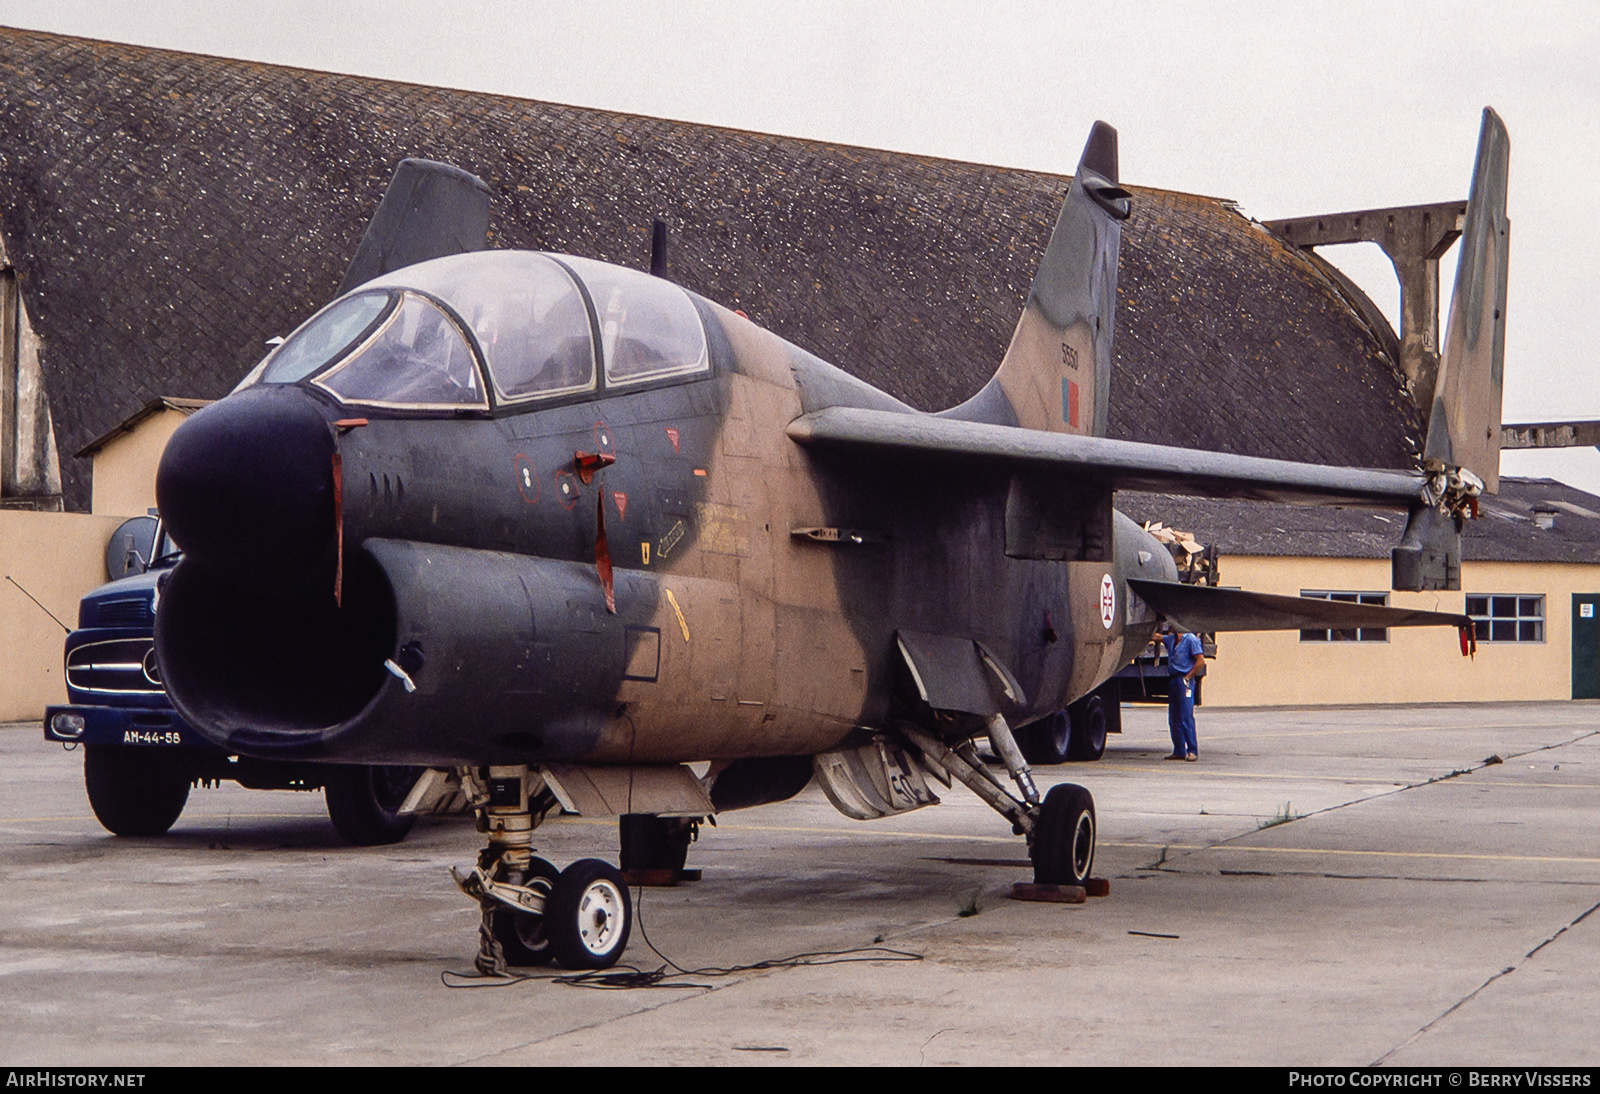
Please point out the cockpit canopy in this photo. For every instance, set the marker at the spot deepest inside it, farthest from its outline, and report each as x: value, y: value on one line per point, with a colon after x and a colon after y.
x: 414, y: 339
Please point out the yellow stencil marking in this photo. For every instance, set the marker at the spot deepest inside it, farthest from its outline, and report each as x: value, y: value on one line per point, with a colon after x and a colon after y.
x: 644, y: 549
x: 683, y: 624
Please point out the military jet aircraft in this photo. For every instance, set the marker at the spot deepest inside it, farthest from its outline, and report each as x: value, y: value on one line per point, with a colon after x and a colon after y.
x: 605, y: 545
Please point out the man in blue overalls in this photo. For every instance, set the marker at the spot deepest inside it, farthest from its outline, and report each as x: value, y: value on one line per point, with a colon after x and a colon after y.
x: 1184, y: 661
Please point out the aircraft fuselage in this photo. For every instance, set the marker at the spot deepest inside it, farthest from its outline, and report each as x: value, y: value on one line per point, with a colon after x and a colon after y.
x: 758, y: 586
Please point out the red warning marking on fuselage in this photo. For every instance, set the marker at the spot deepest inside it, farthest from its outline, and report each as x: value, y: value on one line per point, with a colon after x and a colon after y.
x: 603, y: 439
x: 622, y: 504
x: 1072, y: 403
x: 672, y: 435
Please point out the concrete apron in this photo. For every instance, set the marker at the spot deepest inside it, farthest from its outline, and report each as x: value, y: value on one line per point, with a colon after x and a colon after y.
x: 1398, y: 919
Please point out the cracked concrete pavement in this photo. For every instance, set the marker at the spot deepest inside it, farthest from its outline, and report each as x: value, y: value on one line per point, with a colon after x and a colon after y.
x: 1413, y: 904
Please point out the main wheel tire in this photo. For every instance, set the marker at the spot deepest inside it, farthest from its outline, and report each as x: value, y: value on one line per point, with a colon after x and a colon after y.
x: 649, y: 842
x: 133, y: 791
x: 1046, y: 741
x: 523, y: 937
x: 364, y: 802
x: 589, y: 916
x: 1063, y: 841
x: 1089, y: 718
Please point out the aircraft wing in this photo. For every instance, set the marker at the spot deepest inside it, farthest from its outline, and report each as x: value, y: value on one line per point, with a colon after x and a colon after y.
x: 1203, y: 608
x: 1118, y: 465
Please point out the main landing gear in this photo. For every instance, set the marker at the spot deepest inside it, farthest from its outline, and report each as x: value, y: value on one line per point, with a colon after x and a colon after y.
x: 533, y: 913
x: 1060, y: 829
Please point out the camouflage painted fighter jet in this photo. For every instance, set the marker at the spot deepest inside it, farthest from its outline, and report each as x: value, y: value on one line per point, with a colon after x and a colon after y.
x: 595, y: 542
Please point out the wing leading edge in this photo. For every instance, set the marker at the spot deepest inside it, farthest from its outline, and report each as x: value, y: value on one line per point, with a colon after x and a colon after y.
x: 1113, y: 464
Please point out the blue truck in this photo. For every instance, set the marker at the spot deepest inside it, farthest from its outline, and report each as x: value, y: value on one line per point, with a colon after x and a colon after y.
x: 140, y: 758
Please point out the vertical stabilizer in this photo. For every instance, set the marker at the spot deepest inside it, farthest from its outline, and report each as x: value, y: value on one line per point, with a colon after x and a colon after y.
x: 1464, y: 426
x: 1462, y: 453
x: 1056, y: 375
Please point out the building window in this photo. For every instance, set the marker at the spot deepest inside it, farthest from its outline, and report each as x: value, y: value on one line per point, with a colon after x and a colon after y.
x: 1363, y: 634
x: 1507, y: 618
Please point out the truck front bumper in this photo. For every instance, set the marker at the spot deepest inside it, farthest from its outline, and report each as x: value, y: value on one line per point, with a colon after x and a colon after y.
x: 141, y: 726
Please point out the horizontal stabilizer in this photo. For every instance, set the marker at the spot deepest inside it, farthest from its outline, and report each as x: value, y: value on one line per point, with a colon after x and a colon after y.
x: 1112, y: 464
x: 430, y: 210
x: 1207, y: 609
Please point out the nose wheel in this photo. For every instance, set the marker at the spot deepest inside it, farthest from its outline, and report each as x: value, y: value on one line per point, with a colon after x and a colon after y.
x: 579, y: 917
x: 523, y: 937
x: 589, y: 915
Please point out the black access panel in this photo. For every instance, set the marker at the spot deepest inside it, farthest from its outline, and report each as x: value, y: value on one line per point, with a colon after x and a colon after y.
x: 1586, y: 645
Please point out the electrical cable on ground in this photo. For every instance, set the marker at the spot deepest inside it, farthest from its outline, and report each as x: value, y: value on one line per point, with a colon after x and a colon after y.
x: 623, y: 977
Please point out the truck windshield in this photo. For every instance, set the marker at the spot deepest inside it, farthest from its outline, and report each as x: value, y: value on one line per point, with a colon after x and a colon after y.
x: 166, y: 552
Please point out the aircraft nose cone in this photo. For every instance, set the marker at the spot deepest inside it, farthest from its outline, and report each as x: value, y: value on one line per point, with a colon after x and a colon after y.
x: 246, y: 484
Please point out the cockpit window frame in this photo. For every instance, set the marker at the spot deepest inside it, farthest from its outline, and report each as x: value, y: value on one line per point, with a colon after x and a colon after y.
x: 491, y: 402
x: 562, y: 396
x: 668, y: 377
x: 391, y: 303
x: 483, y: 407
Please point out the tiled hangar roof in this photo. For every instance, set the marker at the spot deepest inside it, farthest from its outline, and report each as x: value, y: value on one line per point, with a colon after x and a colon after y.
x: 167, y: 213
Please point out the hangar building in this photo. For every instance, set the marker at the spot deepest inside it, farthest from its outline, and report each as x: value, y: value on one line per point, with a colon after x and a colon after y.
x: 162, y: 215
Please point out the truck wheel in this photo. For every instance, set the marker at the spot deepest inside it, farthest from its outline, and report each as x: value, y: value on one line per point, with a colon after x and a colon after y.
x: 1063, y: 842
x: 1088, y: 738
x: 364, y: 802
x: 1046, y: 742
x: 134, y: 791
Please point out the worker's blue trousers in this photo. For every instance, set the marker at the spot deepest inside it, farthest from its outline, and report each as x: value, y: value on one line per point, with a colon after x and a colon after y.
x: 1180, y: 715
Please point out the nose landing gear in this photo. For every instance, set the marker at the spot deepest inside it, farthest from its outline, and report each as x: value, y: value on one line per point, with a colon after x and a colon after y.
x: 579, y: 917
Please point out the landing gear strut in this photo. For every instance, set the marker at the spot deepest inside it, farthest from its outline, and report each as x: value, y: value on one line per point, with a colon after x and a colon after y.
x: 579, y: 917
x: 1060, y: 830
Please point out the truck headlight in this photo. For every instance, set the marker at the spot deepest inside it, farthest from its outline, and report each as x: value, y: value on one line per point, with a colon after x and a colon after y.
x: 67, y: 725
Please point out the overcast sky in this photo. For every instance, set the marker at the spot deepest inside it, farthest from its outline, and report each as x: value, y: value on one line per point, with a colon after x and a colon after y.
x: 1289, y: 109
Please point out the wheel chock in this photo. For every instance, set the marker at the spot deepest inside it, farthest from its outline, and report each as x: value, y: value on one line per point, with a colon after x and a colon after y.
x: 1049, y: 894
x: 1097, y: 886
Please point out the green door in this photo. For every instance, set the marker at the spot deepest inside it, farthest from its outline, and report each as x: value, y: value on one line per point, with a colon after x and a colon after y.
x: 1586, y: 645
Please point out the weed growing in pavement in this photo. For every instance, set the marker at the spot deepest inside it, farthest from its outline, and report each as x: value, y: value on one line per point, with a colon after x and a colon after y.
x: 971, y: 904
x: 1282, y: 816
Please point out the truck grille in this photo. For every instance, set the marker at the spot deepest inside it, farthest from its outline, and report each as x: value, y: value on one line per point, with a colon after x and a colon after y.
x: 128, y: 612
x: 125, y: 666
